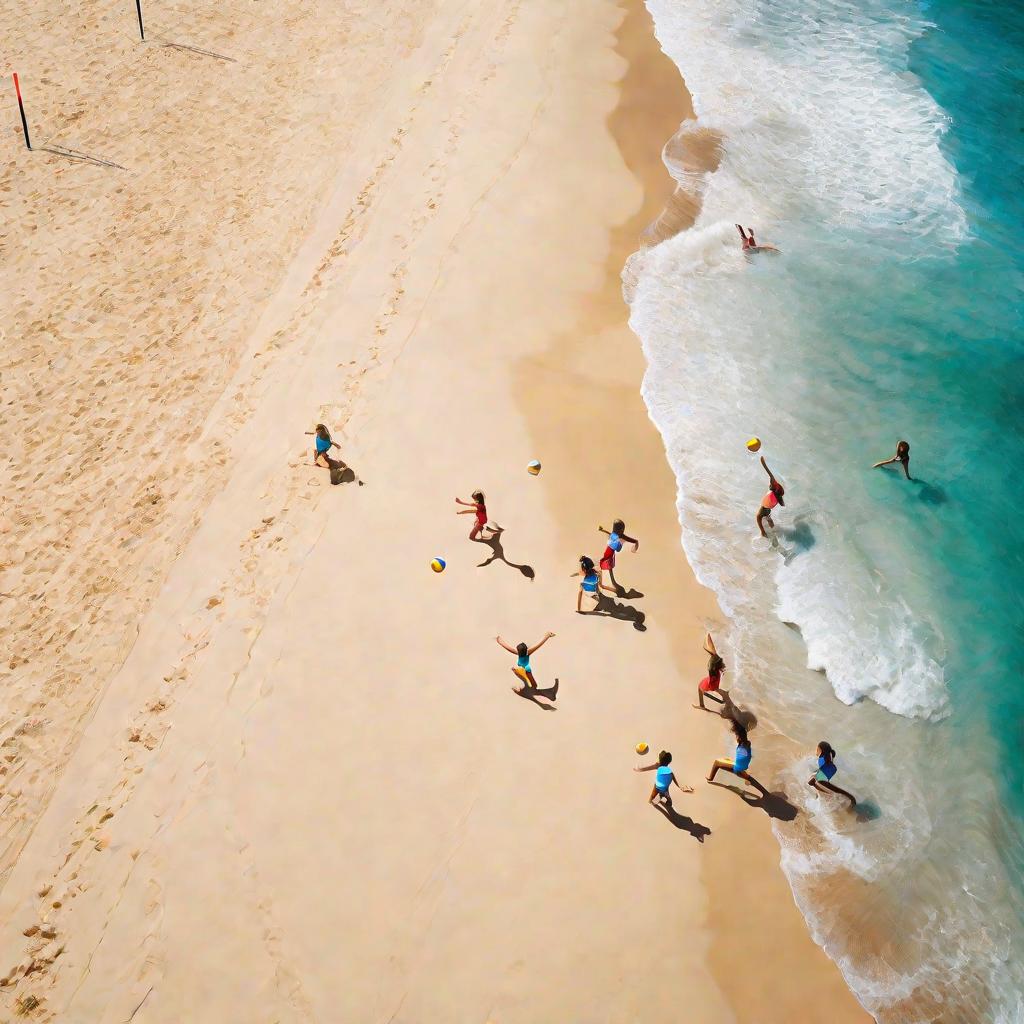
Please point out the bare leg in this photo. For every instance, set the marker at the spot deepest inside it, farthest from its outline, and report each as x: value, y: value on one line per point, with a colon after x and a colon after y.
x: 579, y: 600
x: 477, y: 527
x: 700, y: 699
x: 753, y: 782
x: 718, y: 766
x: 654, y: 793
x: 836, y: 789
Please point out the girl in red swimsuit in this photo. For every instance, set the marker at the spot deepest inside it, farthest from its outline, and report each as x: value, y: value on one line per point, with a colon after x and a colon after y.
x: 478, y: 507
x: 771, y: 500
x: 710, y: 683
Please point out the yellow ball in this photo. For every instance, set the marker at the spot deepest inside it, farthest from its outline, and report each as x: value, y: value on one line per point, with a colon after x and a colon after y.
x: 754, y: 444
x: 533, y: 468
x: 642, y: 748
x: 438, y: 564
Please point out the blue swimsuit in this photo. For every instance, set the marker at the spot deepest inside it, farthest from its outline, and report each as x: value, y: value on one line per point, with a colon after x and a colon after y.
x: 743, y: 758
x: 322, y: 444
x: 663, y: 778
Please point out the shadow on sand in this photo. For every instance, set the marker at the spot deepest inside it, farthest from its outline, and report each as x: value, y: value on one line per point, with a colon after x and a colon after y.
x: 531, y: 694
x: 775, y: 805
x: 612, y: 609
x: 683, y: 823
x: 498, y: 555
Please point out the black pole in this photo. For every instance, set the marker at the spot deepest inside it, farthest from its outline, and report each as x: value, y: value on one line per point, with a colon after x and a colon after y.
x: 142, y: 31
x: 21, y: 109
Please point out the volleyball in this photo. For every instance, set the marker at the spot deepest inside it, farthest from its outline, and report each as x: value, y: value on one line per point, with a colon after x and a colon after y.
x: 754, y: 444
x: 438, y: 564
x: 642, y: 748
x: 533, y: 468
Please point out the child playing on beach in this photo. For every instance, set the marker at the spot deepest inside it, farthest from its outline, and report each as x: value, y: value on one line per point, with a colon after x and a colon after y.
x: 615, y: 539
x: 710, y: 683
x: 590, y: 584
x: 665, y: 778
x: 478, y: 507
x: 322, y: 444
x: 741, y: 761
x: 822, y: 778
x: 902, y: 456
x: 522, y: 669
x: 771, y: 500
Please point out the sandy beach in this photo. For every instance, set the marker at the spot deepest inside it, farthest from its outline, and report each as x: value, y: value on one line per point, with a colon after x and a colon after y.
x: 262, y: 764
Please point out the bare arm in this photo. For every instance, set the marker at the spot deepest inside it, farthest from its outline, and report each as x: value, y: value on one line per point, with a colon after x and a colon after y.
x: 709, y: 645
x: 771, y: 475
x: 459, y: 501
x: 887, y: 462
x: 631, y: 540
x: 647, y: 768
x: 538, y: 646
x: 685, y: 789
x: 511, y: 650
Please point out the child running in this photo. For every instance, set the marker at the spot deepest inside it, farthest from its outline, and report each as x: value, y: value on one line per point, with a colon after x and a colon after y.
x: 741, y: 762
x: 478, y: 507
x: 523, y: 670
x: 822, y: 778
x: 615, y: 539
x: 771, y: 500
x: 322, y: 445
x: 710, y: 683
x: 590, y: 584
x: 663, y: 779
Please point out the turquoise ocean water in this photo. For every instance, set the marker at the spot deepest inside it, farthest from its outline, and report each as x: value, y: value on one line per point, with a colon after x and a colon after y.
x: 880, y: 144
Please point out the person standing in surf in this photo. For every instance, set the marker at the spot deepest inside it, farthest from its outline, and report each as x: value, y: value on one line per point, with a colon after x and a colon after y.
x: 902, y: 456
x: 615, y: 538
x: 821, y: 780
x: 711, y: 682
x: 774, y: 498
x: 741, y: 761
x: 750, y: 243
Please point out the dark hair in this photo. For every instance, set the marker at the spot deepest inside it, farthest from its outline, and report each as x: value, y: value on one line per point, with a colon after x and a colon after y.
x: 477, y: 496
x: 323, y: 432
x: 586, y: 563
x: 741, y: 734
x: 522, y: 650
x: 827, y: 750
x: 664, y: 758
x: 716, y: 664
x: 618, y: 526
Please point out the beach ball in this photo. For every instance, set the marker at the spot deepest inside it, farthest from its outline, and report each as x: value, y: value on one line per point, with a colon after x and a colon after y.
x: 642, y: 748
x: 533, y: 468
x: 438, y: 564
x: 754, y: 444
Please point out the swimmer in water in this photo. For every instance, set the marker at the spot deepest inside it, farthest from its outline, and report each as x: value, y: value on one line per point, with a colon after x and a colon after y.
x: 902, y: 456
x: 750, y: 243
x: 771, y: 500
x: 822, y: 778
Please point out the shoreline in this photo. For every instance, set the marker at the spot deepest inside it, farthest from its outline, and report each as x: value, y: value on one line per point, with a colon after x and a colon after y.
x: 310, y: 756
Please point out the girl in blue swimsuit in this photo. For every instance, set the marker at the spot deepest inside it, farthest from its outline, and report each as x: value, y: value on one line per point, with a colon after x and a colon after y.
x: 522, y: 669
x: 663, y: 779
x: 822, y: 778
x: 591, y: 583
x: 322, y: 445
x: 741, y: 761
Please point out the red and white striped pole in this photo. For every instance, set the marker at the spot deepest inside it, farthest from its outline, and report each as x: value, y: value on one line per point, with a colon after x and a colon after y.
x: 21, y: 108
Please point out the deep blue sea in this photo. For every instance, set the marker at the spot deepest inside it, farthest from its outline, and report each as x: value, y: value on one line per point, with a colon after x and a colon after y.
x: 880, y: 145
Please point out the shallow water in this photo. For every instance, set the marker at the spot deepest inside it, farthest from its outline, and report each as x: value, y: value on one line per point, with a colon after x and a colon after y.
x: 879, y: 144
